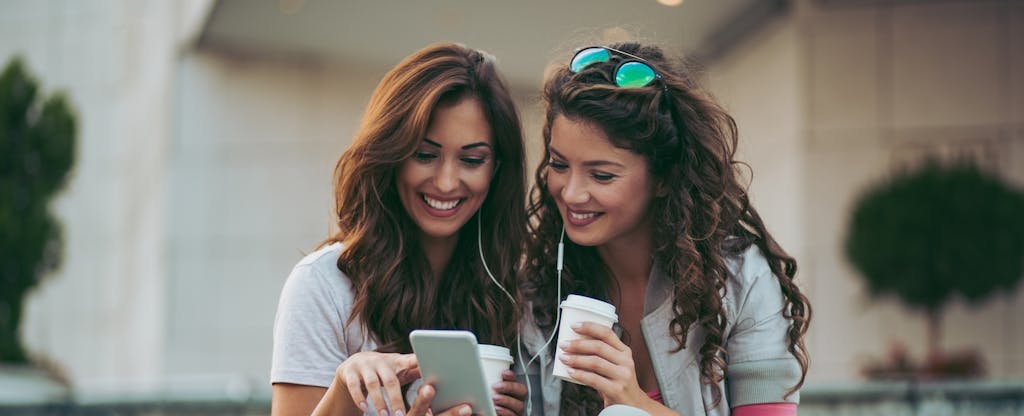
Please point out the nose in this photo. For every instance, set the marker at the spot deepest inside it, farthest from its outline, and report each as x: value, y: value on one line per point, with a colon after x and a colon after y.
x: 446, y: 179
x: 575, y: 191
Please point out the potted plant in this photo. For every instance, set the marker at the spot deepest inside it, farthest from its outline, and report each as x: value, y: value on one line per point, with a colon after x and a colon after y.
x: 929, y: 234
x: 37, y: 143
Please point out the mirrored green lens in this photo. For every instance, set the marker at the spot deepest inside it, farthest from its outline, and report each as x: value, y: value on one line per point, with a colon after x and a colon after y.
x: 634, y: 75
x: 588, y: 57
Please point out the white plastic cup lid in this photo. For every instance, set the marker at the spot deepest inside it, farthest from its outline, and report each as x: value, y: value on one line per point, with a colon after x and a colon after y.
x: 591, y: 305
x: 494, y: 352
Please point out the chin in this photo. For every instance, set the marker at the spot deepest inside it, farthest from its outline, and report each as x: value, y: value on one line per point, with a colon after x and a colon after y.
x: 583, y: 239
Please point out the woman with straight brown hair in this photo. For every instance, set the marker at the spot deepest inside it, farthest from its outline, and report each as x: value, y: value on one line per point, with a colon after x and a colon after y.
x: 430, y: 213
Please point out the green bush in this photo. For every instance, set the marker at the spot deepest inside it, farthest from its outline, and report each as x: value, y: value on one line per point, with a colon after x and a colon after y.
x: 37, y: 142
x: 939, y: 231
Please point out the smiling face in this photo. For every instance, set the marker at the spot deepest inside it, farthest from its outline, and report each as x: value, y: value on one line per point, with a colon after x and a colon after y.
x: 603, y: 192
x: 446, y: 181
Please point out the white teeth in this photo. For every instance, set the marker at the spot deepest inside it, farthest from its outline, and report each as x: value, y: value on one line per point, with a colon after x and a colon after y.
x: 441, y: 205
x: 576, y: 216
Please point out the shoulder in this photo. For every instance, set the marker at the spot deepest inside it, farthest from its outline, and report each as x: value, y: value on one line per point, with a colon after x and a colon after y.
x: 316, y: 277
x: 751, y: 285
x: 747, y: 266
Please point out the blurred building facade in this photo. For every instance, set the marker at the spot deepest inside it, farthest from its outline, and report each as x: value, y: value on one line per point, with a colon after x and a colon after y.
x: 205, y: 168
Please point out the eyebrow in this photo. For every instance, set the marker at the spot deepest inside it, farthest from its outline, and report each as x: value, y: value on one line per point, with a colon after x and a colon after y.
x: 466, y: 147
x: 589, y: 162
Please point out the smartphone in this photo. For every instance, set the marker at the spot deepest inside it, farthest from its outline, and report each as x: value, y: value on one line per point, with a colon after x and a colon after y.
x: 450, y: 361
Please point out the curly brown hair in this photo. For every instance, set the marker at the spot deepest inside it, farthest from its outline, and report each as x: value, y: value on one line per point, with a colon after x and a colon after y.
x: 689, y: 143
x: 395, y: 291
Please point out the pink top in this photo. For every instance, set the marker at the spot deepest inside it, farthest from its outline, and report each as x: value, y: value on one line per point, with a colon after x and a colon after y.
x: 765, y: 409
x: 760, y: 409
x: 655, y: 395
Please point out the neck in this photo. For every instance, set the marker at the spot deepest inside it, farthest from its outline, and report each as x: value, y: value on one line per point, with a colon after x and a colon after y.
x: 439, y: 252
x: 629, y: 259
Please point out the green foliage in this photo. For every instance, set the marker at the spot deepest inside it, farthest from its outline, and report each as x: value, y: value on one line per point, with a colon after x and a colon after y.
x: 37, y: 141
x: 938, y: 231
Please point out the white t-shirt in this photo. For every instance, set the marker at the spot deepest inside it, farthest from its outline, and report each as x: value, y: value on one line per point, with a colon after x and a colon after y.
x: 312, y: 335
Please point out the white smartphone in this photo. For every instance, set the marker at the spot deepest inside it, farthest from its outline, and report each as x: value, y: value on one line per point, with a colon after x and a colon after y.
x: 449, y: 360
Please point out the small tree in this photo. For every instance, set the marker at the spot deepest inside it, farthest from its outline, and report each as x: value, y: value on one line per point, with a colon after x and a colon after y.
x: 928, y: 234
x: 37, y: 140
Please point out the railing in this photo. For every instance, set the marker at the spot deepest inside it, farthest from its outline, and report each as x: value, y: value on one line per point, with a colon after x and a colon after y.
x: 867, y: 399
x: 915, y: 399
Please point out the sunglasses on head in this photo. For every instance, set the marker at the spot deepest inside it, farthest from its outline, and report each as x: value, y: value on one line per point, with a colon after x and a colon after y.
x: 633, y: 72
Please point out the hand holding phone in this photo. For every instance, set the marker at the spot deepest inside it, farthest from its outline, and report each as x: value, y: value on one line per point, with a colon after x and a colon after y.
x: 449, y: 361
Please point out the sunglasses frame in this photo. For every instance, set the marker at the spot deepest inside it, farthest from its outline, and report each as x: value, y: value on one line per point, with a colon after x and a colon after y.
x: 615, y: 73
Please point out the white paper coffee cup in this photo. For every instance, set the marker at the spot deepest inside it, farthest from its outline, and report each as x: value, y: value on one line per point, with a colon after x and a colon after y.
x: 576, y: 308
x: 494, y: 359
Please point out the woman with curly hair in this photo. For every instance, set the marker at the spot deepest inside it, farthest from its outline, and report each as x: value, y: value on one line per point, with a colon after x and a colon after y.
x: 639, y: 174
x: 430, y: 199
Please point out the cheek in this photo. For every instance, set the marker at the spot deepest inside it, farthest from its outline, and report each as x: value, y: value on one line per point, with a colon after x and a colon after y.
x: 478, y: 182
x: 408, y: 174
x: 555, y: 185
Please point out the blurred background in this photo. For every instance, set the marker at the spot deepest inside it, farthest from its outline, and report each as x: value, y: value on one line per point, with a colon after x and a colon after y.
x: 207, y: 131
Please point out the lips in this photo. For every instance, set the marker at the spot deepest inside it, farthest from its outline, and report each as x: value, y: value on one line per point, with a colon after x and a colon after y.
x: 441, y: 207
x: 582, y: 218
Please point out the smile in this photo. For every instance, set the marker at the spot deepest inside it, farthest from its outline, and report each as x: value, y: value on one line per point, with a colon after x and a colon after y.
x: 441, y: 205
x: 580, y: 219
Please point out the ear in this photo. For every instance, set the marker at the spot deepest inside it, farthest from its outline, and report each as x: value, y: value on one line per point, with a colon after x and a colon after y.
x: 661, y: 189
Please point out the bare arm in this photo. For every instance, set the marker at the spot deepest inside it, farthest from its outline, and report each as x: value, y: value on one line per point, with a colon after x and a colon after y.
x: 299, y: 400
x: 294, y: 399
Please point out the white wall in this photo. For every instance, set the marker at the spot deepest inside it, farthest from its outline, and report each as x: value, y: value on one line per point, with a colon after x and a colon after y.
x: 832, y: 98
x: 251, y: 168
x: 101, y: 315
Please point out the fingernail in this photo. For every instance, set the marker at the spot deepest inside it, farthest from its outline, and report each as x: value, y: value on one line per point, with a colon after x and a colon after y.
x: 563, y: 345
x: 576, y: 325
x: 383, y: 413
x: 362, y: 406
x: 399, y: 413
x: 465, y: 410
x: 564, y: 358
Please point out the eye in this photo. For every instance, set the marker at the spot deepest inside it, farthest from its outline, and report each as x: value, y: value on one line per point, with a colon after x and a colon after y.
x: 424, y: 156
x: 557, y: 166
x: 602, y: 177
x: 474, y: 161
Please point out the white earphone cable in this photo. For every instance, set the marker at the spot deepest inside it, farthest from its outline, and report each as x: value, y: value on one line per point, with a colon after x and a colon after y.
x: 480, y: 248
x: 554, y: 330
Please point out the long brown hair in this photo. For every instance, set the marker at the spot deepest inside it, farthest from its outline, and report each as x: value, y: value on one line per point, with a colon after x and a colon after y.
x: 395, y: 290
x: 689, y: 142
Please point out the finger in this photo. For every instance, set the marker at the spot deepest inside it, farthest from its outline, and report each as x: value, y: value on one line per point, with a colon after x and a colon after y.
x: 598, y: 331
x: 393, y: 389
x: 501, y: 411
x: 421, y: 405
x: 407, y: 368
x: 594, y: 380
x: 601, y: 349
x: 596, y: 364
x: 373, y: 390
x: 355, y: 389
x: 511, y: 404
x: 508, y: 375
x: 511, y: 388
x: 457, y: 410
